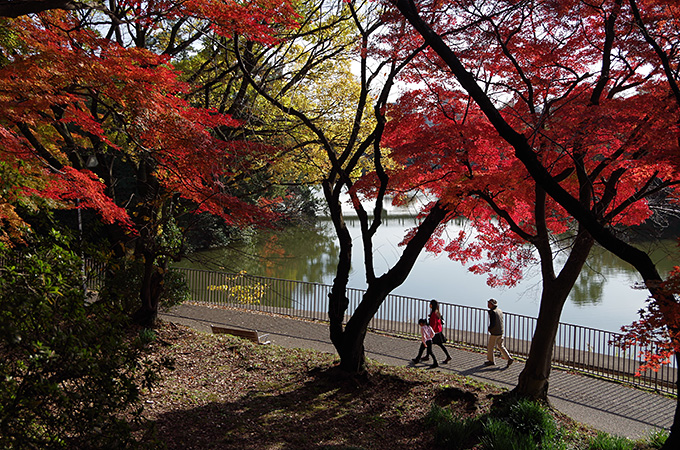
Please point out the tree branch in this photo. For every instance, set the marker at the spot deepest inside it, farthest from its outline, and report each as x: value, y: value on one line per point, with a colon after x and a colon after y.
x: 525, y: 153
x: 17, y: 8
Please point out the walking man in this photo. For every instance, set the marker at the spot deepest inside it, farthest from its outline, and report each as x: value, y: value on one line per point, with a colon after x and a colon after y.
x: 496, y: 335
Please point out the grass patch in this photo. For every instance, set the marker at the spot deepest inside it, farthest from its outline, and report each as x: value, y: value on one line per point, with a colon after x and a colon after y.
x: 657, y: 438
x: 521, y: 424
x: 607, y: 442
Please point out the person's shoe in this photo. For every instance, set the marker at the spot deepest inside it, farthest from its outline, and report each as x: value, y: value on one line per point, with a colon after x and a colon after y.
x: 510, y: 361
x: 448, y: 358
x: 489, y: 363
x: 415, y: 360
x: 434, y: 366
x: 427, y: 358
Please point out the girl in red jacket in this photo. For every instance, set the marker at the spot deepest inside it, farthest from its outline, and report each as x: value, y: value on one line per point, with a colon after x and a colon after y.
x: 436, y: 323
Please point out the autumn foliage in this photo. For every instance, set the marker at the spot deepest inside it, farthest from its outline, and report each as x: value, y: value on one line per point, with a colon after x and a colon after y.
x: 69, y: 95
x: 656, y: 334
x: 598, y: 119
x: 576, y: 98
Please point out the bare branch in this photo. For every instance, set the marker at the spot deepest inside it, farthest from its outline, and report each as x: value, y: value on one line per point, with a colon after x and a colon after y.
x: 17, y: 8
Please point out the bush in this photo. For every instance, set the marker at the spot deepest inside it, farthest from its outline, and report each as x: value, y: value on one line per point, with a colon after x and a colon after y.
x: 455, y: 434
x: 124, y: 281
x: 608, y: 442
x: 451, y: 433
x: 70, y: 375
x: 523, y: 425
x: 437, y: 415
x: 530, y: 418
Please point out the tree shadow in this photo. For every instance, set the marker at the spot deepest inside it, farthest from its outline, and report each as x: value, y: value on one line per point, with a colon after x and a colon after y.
x: 328, y: 411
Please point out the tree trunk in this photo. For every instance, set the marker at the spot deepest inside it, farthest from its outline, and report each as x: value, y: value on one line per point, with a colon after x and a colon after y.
x: 147, y: 246
x: 150, y: 294
x: 337, y: 299
x: 349, y: 342
x: 533, y: 380
x: 351, y: 351
x: 354, y: 360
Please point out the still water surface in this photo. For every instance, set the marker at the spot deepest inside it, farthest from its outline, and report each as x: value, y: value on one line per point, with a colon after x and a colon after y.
x: 602, y: 298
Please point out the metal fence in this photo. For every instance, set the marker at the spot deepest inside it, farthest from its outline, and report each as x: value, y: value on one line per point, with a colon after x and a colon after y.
x: 584, y: 349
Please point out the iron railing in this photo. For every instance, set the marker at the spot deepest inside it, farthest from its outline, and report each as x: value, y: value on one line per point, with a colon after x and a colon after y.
x: 580, y: 348
x: 584, y: 349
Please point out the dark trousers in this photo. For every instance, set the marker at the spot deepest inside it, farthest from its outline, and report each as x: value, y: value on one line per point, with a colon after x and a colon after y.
x: 429, y: 351
x: 439, y: 341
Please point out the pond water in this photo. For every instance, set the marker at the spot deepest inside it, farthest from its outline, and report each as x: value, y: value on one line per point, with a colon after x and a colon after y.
x: 603, y: 297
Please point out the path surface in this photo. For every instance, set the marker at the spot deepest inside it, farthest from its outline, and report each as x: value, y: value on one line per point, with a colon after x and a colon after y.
x: 604, y: 405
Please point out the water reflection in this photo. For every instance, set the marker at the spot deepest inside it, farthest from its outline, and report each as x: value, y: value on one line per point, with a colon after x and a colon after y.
x: 307, y: 253
x: 588, y: 290
x: 603, y: 268
x: 602, y: 297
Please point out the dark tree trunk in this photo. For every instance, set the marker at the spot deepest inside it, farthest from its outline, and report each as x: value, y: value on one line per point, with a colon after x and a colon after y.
x: 147, y: 247
x: 337, y: 299
x: 151, y: 292
x: 533, y: 381
x: 352, y: 354
x: 349, y: 341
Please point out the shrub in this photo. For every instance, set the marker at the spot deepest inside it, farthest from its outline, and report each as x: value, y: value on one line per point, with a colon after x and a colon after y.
x: 70, y: 375
x: 437, y: 415
x: 608, y: 442
x: 124, y: 281
x: 523, y: 425
x: 530, y: 418
x: 455, y: 434
x: 451, y: 433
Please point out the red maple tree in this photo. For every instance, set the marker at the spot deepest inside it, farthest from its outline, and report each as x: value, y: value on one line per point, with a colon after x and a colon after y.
x: 654, y: 333
x: 613, y: 61
x: 81, y: 101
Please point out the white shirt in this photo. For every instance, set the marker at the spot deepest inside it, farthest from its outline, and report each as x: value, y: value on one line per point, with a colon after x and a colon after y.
x: 426, y: 333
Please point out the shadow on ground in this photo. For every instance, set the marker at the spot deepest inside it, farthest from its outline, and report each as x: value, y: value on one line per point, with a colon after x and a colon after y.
x: 327, y: 411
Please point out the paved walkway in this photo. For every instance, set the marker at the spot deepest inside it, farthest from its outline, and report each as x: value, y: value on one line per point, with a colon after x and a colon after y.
x: 606, y: 406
